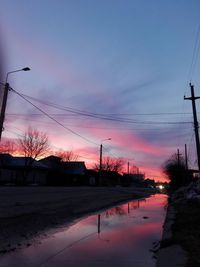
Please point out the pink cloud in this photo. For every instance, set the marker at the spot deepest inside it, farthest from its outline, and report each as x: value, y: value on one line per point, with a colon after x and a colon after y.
x: 127, y: 140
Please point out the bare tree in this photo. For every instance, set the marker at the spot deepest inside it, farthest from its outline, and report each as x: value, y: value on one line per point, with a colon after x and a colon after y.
x: 111, y: 164
x: 8, y: 146
x: 67, y: 155
x: 33, y: 144
x: 176, y: 171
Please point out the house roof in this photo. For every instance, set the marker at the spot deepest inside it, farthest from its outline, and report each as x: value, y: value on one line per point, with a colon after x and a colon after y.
x: 51, y: 161
x: 19, y: 162
x: 4, y: 157
x: 24, y: 161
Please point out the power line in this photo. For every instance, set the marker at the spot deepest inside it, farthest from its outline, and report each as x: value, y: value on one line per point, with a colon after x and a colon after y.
x: 20, y: 135
x: 45, y: 113
x: 110, y: 114
x: 108, y: 117
x: 193, y: 63
x: 9, y: 131
x: 150, y: 129
x: 85, y: 114
x: 194, y: 54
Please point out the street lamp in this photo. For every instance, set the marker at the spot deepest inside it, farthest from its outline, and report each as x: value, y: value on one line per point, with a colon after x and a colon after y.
x: 5, y: 96
x: 128, y: 165
x: 24, y: 69
x: 100, y: 159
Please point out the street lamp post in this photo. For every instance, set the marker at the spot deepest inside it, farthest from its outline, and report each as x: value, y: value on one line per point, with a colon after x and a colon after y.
x: 5, y: 96
x: 128, y: 165
x: 100, y: 158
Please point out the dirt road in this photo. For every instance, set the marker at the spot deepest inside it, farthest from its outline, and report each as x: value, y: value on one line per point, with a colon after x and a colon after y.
x: 25, y: 212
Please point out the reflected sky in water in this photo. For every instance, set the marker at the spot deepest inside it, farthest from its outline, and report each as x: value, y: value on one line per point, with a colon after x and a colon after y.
x: 121, y: 236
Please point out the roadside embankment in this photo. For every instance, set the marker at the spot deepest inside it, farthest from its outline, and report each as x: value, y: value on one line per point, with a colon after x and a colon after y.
x: 25, y: 212
x: 170, y: 253
x: 180, y: 245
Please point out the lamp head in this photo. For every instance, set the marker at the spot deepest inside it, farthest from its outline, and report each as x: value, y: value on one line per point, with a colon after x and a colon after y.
x: 106, y: 139
x: 26, y: 69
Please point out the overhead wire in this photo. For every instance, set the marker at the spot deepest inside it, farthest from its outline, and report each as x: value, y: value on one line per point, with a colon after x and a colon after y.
x: 191, y: 71
x: 21, y: 135
x: 155, y: 130
x: 111, y: 117
x: 58, y: 122
x: 194, y: 54
x: 110, y: 114
x: 17, y: 134
x: 100, y: 116
x: 52, y: 118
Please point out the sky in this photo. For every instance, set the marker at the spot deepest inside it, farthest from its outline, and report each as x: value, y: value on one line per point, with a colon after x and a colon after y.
x: 103, y: 69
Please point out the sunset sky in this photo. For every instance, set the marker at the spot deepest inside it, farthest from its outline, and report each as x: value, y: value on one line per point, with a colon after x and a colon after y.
x: 104, y: 69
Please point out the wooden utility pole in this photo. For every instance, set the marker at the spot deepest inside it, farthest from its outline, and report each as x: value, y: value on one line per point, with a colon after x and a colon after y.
x: 3, y: 107
x: 196, y: 126
x: 128, y: 167
x: 186, y: 157
x: 5, y: 96
x: 178, y: 157
x: 100, y: 163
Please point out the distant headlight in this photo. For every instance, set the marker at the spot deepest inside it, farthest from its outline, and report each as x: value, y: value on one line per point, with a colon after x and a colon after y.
x: 161, y: 187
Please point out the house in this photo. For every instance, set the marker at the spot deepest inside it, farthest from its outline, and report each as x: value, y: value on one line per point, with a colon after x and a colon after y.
x: 73, y: 167
x: 74, y: 172
x: 110, y: 178
x: 65, y: 173
x: 92, y: 177
x: 51, y: 161
x: 53, y: 164
x: 136, y: 179
x: 21, y: 170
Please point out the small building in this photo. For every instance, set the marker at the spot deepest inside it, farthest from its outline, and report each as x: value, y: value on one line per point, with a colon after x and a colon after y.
x: 92, y: 177
x: 110, y: 178
x: 74, y: 172
x: 51, y: 161
x: 68, y: 173
x: 136, y: 179
x: 53, y: 164
x: 21, y: 170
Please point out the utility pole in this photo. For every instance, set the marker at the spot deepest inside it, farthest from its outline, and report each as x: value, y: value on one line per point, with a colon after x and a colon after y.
x: 186, y: 157
x: 100, y: 163
x: 3, y: 107
x: 178, y: 157
x: 5, y: 96
x: 196, y: 126
x: 128, y: 167
x: 100, y: 159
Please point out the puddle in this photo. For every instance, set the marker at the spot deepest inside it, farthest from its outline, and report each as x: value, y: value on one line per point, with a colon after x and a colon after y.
x: 121, y: 236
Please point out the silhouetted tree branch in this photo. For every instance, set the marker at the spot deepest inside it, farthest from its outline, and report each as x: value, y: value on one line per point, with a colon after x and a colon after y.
x: 33, y: 144
x: 111, y: 164
x: 8, y: 146
x: 67, y: 155
x: 176, y: 171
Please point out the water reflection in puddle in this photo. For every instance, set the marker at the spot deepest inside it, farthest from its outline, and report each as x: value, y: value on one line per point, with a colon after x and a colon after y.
x: 121, y: 236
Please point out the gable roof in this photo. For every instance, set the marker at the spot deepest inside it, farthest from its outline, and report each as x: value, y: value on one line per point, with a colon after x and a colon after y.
x: 25, y: 161
x: 51, y: 161
x: 6, y: 160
